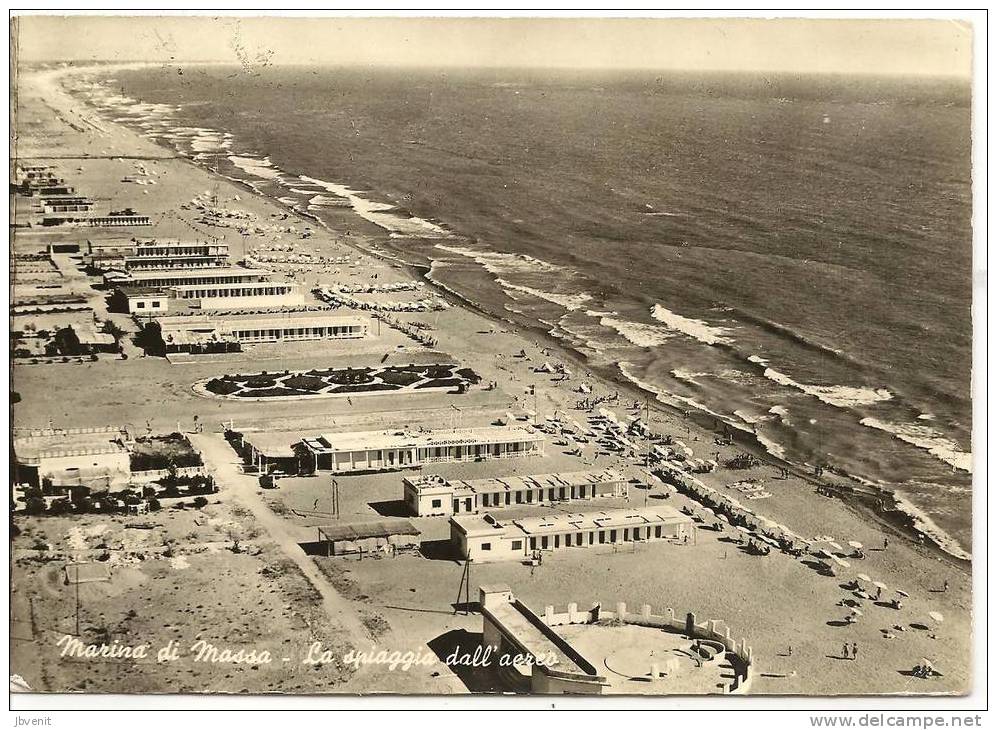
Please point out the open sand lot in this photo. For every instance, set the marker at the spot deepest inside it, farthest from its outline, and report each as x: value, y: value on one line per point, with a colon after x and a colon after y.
x: 200, y: 576
x: 406, y: 602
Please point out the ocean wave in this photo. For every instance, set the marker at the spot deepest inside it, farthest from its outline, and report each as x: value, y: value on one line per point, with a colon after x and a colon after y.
x: 927, y: 438
x: 695, y: 328
x: 257, y: 167
x: 840, y: 396
x: 383, y: 215
x: 503, y: 263
x: 637, y: 333
x: 571, y: 302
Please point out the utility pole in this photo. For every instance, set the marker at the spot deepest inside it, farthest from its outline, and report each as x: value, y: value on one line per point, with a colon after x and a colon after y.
x: 77, y: 576
x: 465, y: 588
x: 335, y: 498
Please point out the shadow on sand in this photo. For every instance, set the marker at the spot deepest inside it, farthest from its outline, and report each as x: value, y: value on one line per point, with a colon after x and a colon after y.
x: 476, y: 679
x: 391, y: 508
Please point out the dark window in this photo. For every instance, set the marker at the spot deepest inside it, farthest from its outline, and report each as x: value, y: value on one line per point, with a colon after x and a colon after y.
x: 437, y: 503
x: 486, y: 546
x: 517, y: 544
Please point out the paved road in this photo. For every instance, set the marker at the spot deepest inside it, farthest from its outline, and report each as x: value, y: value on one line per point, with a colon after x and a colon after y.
x: 225, y: 465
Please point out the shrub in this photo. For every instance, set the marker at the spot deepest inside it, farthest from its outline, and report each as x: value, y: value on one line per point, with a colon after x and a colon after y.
x: 305, y: 382
x: 222, y: 386
x: 400, y: 377
x: 200, y: 502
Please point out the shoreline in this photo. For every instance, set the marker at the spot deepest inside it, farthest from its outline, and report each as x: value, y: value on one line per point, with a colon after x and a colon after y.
x: 865, y: 498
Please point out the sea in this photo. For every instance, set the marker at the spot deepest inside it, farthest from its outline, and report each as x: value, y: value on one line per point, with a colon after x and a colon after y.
x: 789, y: 254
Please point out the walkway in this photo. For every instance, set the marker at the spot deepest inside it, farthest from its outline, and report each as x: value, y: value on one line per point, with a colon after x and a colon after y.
x: 225, y: 465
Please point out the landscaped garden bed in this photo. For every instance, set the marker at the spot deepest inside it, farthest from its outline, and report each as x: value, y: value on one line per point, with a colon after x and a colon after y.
x: 340, y: 381
x: 172, y: 451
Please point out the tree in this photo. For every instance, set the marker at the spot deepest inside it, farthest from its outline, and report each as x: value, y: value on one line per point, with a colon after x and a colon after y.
x: 34, y: 505
x: 60, y: 507
x: 154, y: 505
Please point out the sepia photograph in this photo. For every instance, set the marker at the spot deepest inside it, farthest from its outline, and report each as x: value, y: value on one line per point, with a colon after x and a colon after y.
x: 495, y: 356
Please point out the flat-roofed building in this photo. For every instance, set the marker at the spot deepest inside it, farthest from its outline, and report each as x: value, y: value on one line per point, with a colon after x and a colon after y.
x: 200, y: 333
x: 136, y: 254
x: 72, y: 456
x: 389, y: 450
x: 432, y: 495
x: 66, y: 204
x: 186, y: 277
x: 244, y: 295
x: 142, y: 300
x: 483, y: 538
x: 116, y: 219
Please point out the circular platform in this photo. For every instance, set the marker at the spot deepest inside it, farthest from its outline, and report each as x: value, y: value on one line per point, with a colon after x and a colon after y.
x: 635, y: 662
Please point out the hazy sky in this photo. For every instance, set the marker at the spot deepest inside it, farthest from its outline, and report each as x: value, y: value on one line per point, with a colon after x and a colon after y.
x: 804, y: 45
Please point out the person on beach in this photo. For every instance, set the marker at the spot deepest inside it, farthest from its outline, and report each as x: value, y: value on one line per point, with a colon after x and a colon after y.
x: 855, y: 651
x: 844, y: 651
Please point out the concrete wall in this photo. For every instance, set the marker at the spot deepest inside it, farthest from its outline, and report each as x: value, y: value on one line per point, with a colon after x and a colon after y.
x: 711, y: 630
x: 152, y: 475
x: 86, y: 468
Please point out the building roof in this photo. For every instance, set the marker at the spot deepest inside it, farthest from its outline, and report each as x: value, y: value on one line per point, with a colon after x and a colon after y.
x: 258, y: 321
x: 241, y: 284
x: 271, y: 445
x: 55, y: 443
x: 433, y: 483
x: 541, y: 481
x: 142, y: 292
x: 366, y: 530
x: 478, y: 525
x: 368, y: 440
x: 88, y: 335
x: 617, y: 518
x: 549, y: 524
x: 204, y: 272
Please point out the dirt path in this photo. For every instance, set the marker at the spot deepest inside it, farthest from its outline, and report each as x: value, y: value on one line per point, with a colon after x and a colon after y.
x: 224, y: 464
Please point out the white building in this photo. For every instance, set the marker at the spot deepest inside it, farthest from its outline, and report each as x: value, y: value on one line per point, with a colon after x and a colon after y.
x: 389, y: 450
x: 203, y: 333
x: 186, y: 277
x: 246, y: 295
x: 95, y: 456
x: 484, y: 539
x: 432, y: 495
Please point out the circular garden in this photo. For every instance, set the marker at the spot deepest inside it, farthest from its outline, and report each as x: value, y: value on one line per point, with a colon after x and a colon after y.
x: 340, y: 381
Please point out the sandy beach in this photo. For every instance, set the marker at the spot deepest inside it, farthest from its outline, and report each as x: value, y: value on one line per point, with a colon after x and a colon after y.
x: 791, y: 613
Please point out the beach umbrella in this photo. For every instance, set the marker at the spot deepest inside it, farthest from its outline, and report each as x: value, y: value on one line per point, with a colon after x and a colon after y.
x: 856, y: 611
x: 742, y: 528
x: 855, y: 544
x: 905, y: 594
x: 833, y: 544
x: 843, y: 563
x: 863, y: 576
x: 936, y: 616
x: 880, y: 585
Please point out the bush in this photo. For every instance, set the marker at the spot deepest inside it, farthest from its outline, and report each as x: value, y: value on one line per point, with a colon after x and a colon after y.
x: 305, y: 382
x: 222, y: 386
x: 154, y: 505
x: 400, y: 377
x: 200, y: 502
